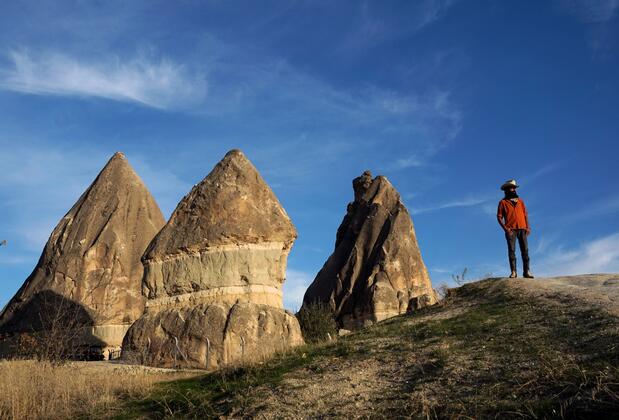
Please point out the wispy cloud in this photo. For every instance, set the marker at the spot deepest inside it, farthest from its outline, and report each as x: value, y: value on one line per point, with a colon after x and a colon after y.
x: 487, y: 201
x: 466, y: 202
x: 544, y: 244
x: 440, y: 270
x: 433, y: 10
x: 375, y: 23
x: 591, y: 11
x: 544, y: 170
x: 158, y: 83
x: 351, y: 121
x: 599, y: 16
x: 294, y: 288
x: 600, y: 255
x: 412, y: 161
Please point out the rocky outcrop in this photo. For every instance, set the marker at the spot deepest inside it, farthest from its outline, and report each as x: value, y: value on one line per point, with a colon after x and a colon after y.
x: 376, y: 270
x: 214, y: 274
x: 90, y: 274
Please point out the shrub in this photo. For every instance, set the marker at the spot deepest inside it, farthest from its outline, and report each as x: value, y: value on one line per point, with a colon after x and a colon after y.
x: 317, y: 322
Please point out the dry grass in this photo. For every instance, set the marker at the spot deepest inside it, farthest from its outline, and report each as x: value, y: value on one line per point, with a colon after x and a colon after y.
x: 37, y: 389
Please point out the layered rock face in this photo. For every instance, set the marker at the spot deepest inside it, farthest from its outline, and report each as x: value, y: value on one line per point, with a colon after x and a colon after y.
x: 376, y: 270
x: 213, y: 275
x: 89, y: 274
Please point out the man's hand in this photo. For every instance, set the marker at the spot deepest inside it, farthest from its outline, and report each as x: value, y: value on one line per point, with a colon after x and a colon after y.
x: 528, y: 231
x: 508, y: 231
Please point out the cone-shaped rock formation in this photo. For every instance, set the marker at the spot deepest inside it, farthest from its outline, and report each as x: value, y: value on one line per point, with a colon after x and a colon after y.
x: 376, y: 270
x: 214, y: 273
x: 89, y: 275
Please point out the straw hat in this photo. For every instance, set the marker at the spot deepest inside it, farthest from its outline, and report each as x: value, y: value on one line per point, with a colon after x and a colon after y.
x: 509, y: 184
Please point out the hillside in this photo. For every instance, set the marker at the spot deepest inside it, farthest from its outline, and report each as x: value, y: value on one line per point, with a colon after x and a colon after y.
x: 497, y: 347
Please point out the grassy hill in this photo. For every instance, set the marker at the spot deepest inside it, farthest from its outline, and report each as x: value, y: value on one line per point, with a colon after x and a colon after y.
x: 494, y: 348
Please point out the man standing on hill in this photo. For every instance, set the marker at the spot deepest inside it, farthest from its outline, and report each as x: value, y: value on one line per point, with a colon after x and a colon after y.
x: 513, y: 218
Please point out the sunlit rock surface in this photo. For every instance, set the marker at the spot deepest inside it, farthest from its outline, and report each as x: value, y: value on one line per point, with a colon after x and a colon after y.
x: 214, y: 275
x: 90, y: 274
x: 376, y: 270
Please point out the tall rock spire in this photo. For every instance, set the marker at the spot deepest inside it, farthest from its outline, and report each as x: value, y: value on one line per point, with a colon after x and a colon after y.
x: 376, y: 270
x: 91, y: 262
x: 213, y: 275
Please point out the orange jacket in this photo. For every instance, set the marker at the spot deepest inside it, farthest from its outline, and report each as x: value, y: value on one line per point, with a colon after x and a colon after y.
x: 512, y: 216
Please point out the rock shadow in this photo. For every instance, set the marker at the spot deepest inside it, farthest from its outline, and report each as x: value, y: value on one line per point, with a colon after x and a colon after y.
x: 48, y: 326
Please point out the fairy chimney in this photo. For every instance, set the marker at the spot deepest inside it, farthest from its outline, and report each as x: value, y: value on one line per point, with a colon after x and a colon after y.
x: 89, y: 276
x: 376, y: 270
x: 214, y: 275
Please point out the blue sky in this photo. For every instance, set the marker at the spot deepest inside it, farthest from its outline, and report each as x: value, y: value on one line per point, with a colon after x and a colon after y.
x: 448, y: 99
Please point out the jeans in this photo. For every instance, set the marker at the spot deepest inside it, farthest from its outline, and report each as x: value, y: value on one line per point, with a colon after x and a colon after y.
x: 521, y: 235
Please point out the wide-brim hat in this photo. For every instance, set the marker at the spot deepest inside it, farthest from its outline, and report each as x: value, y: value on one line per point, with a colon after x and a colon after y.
x: 509, y: 184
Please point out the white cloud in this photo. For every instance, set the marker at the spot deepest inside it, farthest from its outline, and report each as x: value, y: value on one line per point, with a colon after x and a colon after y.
x: 428, y: 123
x: 591, y: 11
x: 466, y: 202
x: 544, y: 244
x: 294, y: 289
x: 439, y: 270
x: 158, y: 83
x: 412, y: 161
x: 376, y: 22
x: 433, y: 10
x: 544, y: 170
x: 600, y: 255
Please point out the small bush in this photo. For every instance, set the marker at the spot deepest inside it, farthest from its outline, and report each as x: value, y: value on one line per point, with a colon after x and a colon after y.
x: 442, y: 291
x: 317, y: 322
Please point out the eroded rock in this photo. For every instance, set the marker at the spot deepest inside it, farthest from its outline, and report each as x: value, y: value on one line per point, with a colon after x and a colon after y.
x: 211, y: 335
x: 90, y: 274
x: 214, y: 275
x: 376, y: 270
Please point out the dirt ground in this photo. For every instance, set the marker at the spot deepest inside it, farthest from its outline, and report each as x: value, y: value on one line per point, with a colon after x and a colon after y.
x: 356, y: 387
x: 596, y: 290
